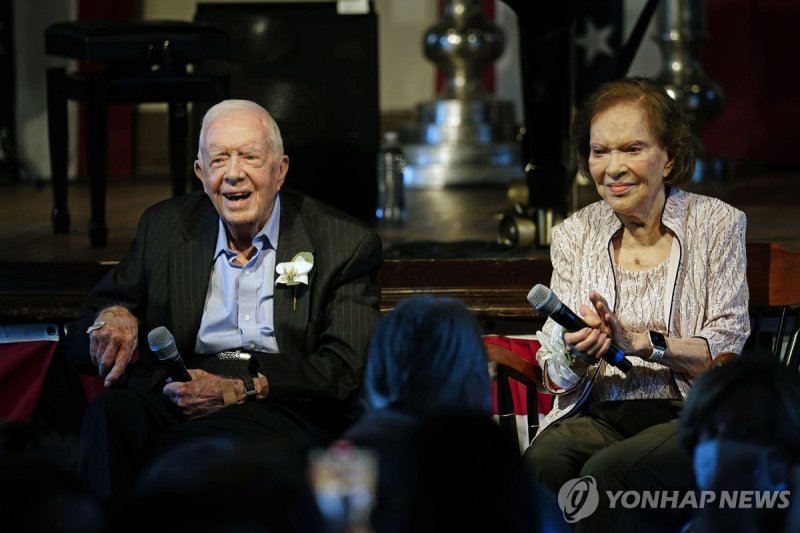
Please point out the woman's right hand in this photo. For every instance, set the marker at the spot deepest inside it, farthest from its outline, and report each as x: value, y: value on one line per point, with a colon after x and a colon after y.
x: 590, y: 343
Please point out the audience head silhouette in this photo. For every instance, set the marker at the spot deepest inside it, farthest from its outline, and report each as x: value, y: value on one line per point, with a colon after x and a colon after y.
x: 426, y: 367
x: 752, y: 399
x: 427, y: 357
x: 40, y: 485
x: 229, y: 485
x: 741, y: 424
x: 463, y: 486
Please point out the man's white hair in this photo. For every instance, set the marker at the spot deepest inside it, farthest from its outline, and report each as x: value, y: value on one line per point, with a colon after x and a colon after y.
x: 227, y: 106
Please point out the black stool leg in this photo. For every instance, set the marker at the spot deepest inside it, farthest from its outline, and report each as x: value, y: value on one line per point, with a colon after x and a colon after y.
x: 57, y: 137
x: 505, y: 407
x: 97, y: 145
x: 178, y: 143
x: 532, y: 402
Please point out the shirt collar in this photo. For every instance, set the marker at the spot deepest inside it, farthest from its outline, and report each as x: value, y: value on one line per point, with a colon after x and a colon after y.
x: 674, y: 211
x: 267, y: 236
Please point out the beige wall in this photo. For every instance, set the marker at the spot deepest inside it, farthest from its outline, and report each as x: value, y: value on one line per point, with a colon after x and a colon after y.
x: 30, y: 21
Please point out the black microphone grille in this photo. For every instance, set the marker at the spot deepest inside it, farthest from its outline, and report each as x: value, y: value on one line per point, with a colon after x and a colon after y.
x: 543, y: 299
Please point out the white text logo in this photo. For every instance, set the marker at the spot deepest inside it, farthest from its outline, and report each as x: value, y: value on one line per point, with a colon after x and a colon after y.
x: 579, y: 498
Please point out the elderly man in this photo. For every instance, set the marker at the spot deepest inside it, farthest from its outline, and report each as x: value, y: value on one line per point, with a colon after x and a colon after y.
x: 270, y: 296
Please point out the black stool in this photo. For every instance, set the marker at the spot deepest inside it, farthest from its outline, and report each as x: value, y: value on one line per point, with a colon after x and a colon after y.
x: 128, y: 62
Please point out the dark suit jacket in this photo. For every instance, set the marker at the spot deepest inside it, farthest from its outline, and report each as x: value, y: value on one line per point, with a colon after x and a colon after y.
x: 323, y: 340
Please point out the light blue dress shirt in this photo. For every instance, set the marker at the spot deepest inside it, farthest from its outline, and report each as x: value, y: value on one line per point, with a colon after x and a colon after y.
x: 238, y: 312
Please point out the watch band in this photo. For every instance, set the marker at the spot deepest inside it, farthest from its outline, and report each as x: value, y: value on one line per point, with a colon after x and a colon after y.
x: 252, y: 373
x: 249, y: 387
x: 659, y: 345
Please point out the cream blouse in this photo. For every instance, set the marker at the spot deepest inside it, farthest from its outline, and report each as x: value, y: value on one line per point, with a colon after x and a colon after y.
x: 640, y: 294
x: 700, y: 291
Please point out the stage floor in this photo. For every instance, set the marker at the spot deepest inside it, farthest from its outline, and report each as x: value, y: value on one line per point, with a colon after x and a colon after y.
x: 459, y: 223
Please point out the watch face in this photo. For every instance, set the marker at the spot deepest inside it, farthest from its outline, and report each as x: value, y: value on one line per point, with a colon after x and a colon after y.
x: 249, y: 387
x: 657, y: 340
x: 659, y: 344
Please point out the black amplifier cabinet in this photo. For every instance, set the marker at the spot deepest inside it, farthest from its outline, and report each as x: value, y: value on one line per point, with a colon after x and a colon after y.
x: 316, y: 71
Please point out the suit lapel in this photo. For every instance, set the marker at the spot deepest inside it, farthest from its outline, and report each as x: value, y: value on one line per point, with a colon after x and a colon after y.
x: 190, y: 270
x: 291, y: 305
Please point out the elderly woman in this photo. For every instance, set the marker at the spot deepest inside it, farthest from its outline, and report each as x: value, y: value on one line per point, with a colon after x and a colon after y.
x: 658, y: 272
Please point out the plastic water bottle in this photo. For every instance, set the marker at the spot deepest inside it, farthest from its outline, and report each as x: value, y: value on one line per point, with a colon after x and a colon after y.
x: 391, y: 192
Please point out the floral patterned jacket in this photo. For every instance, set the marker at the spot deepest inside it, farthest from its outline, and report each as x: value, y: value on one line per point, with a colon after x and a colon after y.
x: 707, y: 278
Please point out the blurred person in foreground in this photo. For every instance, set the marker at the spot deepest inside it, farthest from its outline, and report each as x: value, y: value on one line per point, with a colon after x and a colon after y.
x: 741, y: 425
x: 444, y: 464
x: 41, y: 489
x: 656, y: 270
x: 271, y: 297
x: 225, y: 484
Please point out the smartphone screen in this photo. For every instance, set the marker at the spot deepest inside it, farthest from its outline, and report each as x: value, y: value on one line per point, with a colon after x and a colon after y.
x: 344, y: 478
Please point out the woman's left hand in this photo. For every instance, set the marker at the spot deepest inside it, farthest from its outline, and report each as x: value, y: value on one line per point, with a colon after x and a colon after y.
x: 200, y: 396
x: 622, y: 338
x: 688, y: 355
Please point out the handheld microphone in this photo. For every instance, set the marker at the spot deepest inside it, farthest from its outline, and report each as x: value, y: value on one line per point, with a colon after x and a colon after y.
x: 544, y: 300
x: 162, y: 343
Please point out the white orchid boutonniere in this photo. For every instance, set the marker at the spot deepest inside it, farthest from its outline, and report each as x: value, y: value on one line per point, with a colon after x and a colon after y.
x: 295, y: 272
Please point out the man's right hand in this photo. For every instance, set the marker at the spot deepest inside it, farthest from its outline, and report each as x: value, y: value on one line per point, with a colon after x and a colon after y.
x: 113, y: 344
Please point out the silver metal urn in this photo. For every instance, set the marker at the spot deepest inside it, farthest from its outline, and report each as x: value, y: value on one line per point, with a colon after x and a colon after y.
x: 464, y: 136
x: 681, y: 32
